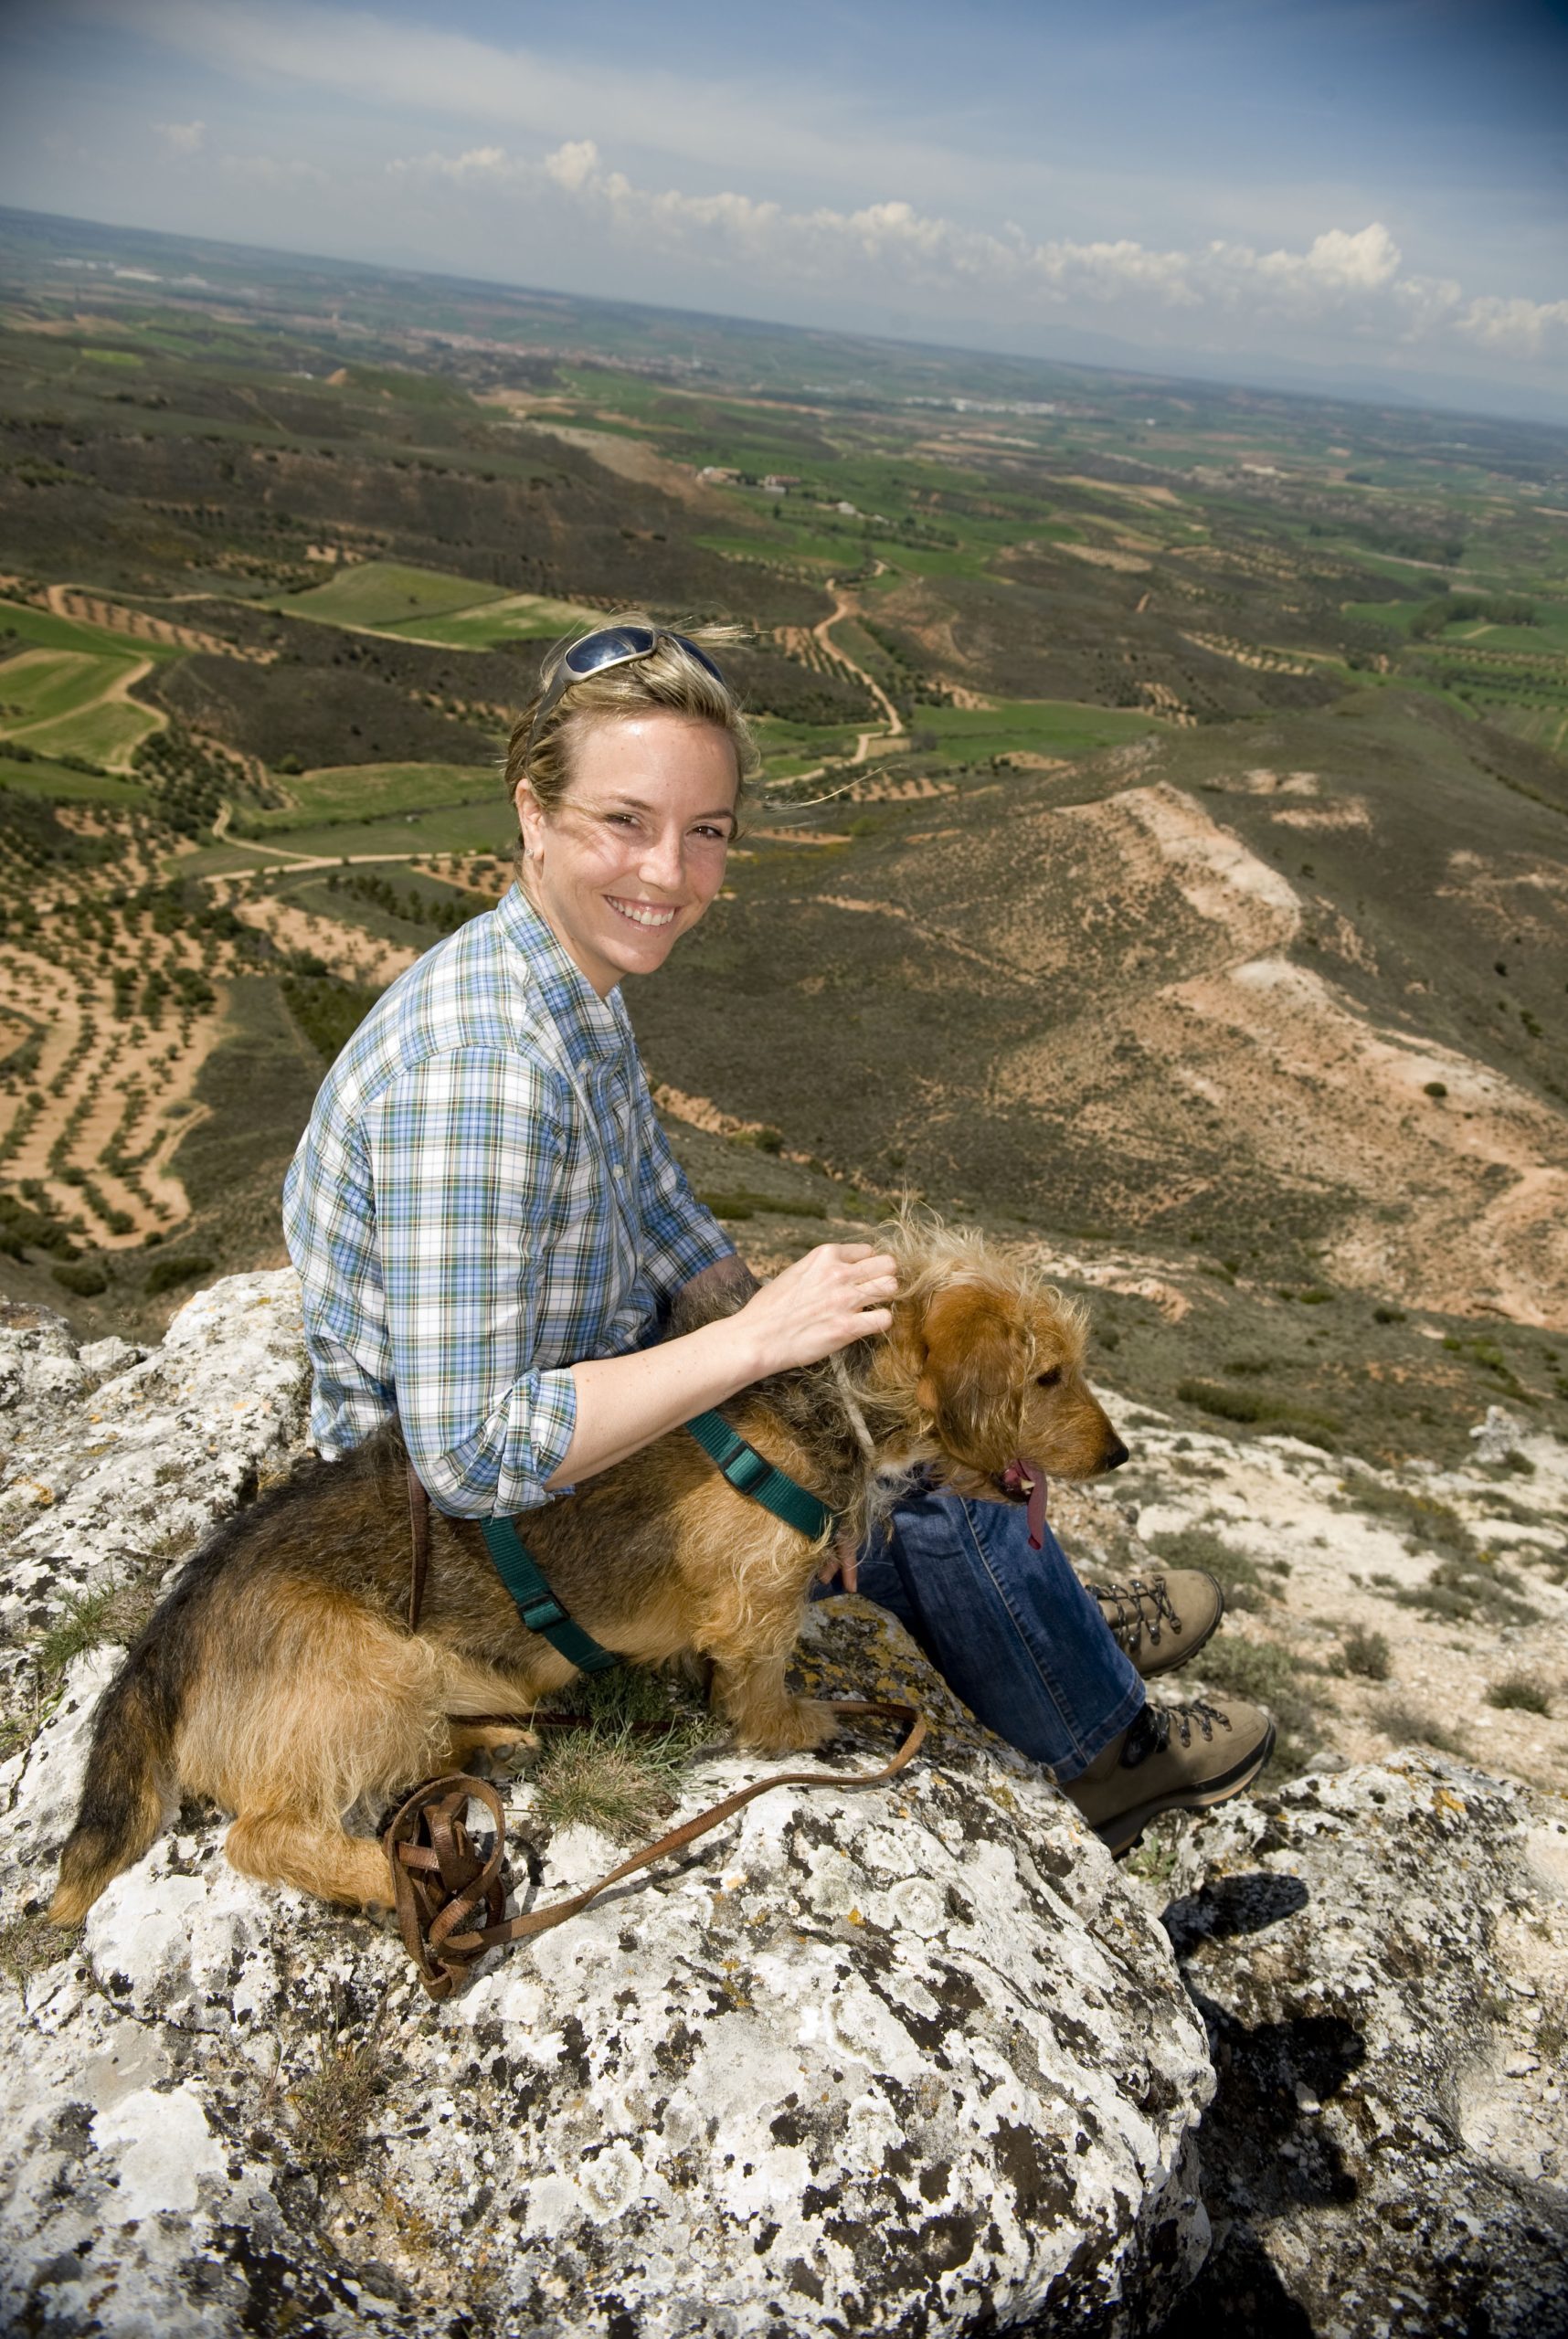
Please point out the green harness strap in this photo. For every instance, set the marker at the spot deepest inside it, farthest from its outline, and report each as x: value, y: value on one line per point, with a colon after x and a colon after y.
x: 751, y: 1473
x: 536, y: 1604
x: 748, y: 1472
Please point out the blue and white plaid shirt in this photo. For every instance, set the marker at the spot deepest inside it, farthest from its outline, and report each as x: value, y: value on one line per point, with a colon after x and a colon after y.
x: 484, y: 1197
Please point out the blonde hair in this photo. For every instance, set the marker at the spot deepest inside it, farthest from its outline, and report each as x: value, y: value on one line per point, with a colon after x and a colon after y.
x: 668, y: 677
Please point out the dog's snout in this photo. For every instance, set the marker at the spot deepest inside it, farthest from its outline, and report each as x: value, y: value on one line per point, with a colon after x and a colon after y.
x: 1116, y: 1452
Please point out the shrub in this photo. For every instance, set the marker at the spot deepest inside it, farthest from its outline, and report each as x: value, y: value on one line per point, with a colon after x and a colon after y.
x: 1196, y: 1547
x: 163, y: 1275
x: 1519, y: 1693
x: 1366, y: 1654
x: 1254, y: 1405
x: 85, y: 1278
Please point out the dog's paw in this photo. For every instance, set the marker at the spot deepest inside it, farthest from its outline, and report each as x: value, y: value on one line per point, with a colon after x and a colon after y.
x: 794, y: 1728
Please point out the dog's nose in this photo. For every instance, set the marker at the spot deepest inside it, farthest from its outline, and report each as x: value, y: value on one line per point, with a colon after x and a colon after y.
x: 1115, y: 1454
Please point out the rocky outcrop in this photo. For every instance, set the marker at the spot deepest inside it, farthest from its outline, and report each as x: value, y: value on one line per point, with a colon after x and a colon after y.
x: 1381, y: 1959
x: 914, y: 2061
x: 918, y: 2060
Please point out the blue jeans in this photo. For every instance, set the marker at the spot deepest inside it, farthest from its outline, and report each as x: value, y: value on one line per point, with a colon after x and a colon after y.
x: 1012, y: 1632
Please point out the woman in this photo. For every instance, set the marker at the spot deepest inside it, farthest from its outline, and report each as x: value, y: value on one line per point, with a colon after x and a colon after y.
x: 489, y: 1223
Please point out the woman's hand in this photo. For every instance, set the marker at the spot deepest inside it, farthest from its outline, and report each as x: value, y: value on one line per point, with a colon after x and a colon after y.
x: 836, y: 1294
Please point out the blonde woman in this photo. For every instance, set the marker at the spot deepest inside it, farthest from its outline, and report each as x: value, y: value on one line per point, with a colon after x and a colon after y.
x: 489, y: 1226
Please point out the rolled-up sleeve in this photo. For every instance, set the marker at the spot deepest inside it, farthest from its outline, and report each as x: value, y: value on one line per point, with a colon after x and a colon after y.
x: 680, y: 1235
x: 466, y: 1153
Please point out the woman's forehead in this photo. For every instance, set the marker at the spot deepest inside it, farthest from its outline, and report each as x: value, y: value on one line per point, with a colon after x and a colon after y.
x: 664, y: 760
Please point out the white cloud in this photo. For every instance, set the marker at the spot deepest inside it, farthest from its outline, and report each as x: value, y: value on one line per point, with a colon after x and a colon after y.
x: 182, y: 137
x: 1521, y: 328
x: 1351, y: 279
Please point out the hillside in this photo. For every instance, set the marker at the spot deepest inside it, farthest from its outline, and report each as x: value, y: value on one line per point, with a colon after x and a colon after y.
x: 1160, y: 854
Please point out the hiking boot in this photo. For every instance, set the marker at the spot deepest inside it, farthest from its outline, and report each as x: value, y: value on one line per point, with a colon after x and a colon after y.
x: 1174, y: 1758
x: 1162, y: 1620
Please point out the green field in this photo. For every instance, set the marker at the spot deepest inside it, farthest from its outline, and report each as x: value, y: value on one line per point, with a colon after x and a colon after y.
x: 380, y: 792
x: 386, y: 593
x: 54, y: 783
x: 41, y: 630
x: 1040, y: 726
x: 519, y: 617
x: 54, y: 701
x: 485, y: 827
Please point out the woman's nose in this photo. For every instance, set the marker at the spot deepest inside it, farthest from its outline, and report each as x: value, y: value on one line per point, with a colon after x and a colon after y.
x: 663, y: 861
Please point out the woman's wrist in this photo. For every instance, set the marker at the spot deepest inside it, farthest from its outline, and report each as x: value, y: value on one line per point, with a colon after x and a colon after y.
x: 733, y: 1342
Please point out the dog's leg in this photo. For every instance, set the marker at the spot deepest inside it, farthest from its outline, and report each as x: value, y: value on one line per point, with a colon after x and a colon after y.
x: 749, y: 1690
x: 472, y: 1738
x: 287, y: 1847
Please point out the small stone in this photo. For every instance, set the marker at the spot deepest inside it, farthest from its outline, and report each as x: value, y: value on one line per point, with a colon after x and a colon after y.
x: 1520, y: 2067
x: 1305, y: 2100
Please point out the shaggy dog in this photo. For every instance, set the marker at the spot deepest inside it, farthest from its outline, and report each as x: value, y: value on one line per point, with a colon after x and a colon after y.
x: 280, y: 1677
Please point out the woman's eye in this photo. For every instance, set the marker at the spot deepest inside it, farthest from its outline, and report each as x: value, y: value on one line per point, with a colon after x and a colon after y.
x: 713, y: 836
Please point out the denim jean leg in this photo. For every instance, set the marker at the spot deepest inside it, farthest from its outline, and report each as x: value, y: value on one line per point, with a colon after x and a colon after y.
x: 1011, y: 1631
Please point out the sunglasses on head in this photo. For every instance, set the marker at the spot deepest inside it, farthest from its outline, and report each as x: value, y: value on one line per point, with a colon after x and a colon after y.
x: 612, y: 645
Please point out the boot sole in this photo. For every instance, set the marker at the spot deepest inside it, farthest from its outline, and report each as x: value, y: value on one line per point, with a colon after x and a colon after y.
x: 1120, y: 1835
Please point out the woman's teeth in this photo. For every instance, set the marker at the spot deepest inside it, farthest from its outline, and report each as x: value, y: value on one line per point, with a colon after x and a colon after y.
x: 641, y: 913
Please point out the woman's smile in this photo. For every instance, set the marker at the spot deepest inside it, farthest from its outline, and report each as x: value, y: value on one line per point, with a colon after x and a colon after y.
x: 643, y: 912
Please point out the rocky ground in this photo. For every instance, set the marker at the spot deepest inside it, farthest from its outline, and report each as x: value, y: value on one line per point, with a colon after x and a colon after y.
x: 921, y: 2060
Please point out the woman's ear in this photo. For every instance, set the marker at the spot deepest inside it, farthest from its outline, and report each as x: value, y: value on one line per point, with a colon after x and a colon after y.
x: 973, y: 1378
x: 530, y: 820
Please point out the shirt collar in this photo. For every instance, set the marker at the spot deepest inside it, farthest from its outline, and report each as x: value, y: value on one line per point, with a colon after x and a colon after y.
x: 589, y: 1025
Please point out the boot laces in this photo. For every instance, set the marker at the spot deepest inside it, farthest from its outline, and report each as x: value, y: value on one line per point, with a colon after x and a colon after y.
x: 1139, y: 1607
x: 1151, y: 1733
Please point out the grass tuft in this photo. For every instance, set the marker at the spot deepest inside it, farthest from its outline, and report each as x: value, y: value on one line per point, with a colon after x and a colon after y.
x: 1521, y: 1693
x: 80, y: 1625
x: 331, y: 2108
x: 29, y: 1944
x: 620, y: 1770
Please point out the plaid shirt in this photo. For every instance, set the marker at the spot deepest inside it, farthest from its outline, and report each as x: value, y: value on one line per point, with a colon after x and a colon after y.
x: 484, y: 1197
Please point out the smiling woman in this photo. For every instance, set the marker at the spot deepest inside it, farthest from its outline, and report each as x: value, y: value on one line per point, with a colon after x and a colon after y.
x: 491, y: 1233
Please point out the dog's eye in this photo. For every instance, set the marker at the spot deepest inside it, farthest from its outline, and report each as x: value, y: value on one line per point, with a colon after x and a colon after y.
x: 1049, y: 1379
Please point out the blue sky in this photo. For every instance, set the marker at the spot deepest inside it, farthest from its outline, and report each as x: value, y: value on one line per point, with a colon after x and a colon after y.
x: 1306, y: 188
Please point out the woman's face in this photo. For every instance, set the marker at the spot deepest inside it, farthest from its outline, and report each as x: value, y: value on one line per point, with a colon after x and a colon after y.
x: 635, y: 851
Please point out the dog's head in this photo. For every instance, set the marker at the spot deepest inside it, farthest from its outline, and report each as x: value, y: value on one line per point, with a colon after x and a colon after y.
x: 996, y: 1359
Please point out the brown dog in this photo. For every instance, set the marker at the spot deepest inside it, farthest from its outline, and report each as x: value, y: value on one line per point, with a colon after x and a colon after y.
x: 279, y: 1678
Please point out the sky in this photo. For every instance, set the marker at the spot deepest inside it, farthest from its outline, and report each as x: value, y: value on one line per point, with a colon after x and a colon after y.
x: 1366, y: 194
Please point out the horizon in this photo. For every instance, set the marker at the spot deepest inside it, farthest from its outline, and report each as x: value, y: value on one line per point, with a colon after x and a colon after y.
x: 1396, y: 396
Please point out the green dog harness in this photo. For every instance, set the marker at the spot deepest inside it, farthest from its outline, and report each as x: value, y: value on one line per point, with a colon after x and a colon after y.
x: 748, y: 1472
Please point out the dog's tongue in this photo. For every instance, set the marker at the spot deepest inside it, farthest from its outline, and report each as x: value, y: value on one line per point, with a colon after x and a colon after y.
x: 1016, y: 1474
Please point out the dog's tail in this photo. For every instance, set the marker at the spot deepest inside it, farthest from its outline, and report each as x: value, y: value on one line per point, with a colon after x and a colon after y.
x: 122, y: 1798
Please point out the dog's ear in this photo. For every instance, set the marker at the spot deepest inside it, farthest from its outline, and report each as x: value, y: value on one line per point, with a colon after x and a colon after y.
x: 971, y: 1382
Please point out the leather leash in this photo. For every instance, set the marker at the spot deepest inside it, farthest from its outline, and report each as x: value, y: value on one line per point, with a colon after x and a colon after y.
x: 419, y: 1539
x: 442, y: 1881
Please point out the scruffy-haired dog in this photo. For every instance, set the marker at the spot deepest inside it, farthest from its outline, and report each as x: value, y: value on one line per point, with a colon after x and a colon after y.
x: 279, y: 1678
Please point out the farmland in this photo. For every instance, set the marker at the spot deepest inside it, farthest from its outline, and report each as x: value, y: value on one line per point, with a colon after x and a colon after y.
x: 1158, y: 857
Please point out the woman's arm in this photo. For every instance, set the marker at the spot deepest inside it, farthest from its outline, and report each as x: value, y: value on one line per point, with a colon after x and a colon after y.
x: 836, y: 1294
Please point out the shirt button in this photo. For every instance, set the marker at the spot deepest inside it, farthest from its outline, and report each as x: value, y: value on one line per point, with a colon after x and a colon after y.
x: 618, y: 1171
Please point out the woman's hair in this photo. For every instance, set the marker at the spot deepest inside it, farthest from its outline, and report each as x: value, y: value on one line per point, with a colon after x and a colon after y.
x: 668, y: 677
